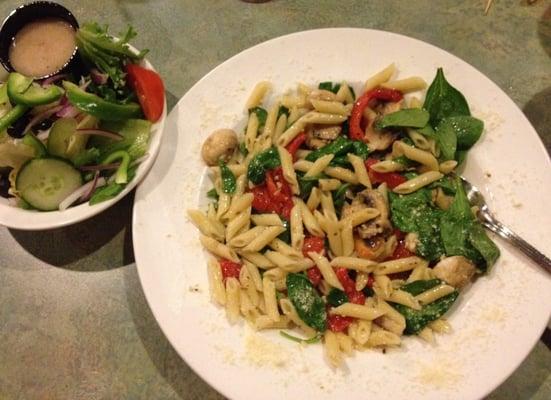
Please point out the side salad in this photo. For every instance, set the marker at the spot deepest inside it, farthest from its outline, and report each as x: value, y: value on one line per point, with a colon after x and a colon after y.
x: 78, y: 137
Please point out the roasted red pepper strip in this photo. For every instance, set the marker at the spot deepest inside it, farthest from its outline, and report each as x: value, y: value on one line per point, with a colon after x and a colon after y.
x: 349, y: 286
x: 229, y: 269
x: 401, y: 250
x: 313, y: 243
x: 338, y: 323
x: 392, y: 179
x: 295, y: 144
x: 274, y: 195
x: 314, y: 275
x: 356, y: 131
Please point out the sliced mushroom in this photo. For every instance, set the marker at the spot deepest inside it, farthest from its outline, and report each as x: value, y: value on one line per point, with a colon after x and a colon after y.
x: 321, y: 135
x: 456, y: 271
x: 370, y: 198
x: 220, y: 145
x: 377, y: 139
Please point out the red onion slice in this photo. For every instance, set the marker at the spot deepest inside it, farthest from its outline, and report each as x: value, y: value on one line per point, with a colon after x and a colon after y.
x: 98, y: 78
x: 38, y: 118
x: 43, y: 135
x: 100, y: 132
x: 99, y: 167
x: 80, y: 192
x: 68, y: 111
x: 53, y: 79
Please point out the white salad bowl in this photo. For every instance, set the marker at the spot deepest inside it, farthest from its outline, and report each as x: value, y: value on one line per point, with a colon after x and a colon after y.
x: 18, y: 218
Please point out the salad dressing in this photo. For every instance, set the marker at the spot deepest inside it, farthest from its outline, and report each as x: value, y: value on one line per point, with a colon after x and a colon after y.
x: 42, y: 47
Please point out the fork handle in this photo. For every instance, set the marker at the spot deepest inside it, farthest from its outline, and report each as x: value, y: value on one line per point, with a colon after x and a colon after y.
x: 497, y: 227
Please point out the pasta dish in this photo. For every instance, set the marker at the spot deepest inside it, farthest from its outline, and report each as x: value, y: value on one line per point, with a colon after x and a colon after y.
x: 337, y: 216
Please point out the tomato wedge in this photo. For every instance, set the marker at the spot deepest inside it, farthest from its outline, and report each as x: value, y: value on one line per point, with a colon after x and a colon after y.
x: 149, y: 88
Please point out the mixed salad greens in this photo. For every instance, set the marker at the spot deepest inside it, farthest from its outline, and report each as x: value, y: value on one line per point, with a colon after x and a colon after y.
x: 78, y: 136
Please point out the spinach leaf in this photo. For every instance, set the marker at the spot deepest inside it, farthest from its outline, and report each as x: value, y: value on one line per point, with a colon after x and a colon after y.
x: 261, y: 114
x: 262, y: 162
x: 339, y: 196
x: 418, y: 287
x: 481, y: 242
x: 460, y: 156
x: 338, y: 147
x: 360, y: 149
x: 312, y: 340
x: 307, y: 184
x: 286, y: 234
x: 106, y: 192
x: 408, y: 117
x: 282, y: 111
x: 414, y: 213
x: 427, y: 131
x: 306, y: 300
x: 455, y: 226
x: 446, y: 139
x: 416, y: 320
x: 330, y: 86
x: 406, y: 162
x: 213, y: 194
x: 443, y: 100
x: 336, y: 297
x: 228, y: 178
x: 467, y: 129
x: 446, y: 183
x: 243, y: 149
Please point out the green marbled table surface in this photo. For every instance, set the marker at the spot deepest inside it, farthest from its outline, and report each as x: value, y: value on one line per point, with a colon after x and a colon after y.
x: 74, y: 323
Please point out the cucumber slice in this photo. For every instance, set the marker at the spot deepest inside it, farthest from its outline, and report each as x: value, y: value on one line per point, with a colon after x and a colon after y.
x: 62, y: 140
x: 46, y: 182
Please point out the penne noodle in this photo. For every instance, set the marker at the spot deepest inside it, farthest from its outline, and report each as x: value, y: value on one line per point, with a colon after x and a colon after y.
x: 330, y: 107
x: 288, y: 169
x: 359, y: 169
x: 418, y: 182
x: 216, y: 282
x: 357, y: 311
x: 218, y: 249
x: 358, y: 264
x: 326, y: 270
x: 258, y: 94
x: 434, y: 294
x: 407, y: 85
x: 264, y: 238
x: 233, y: 292
x: 379, y: 78
x: 400, y: 265
x: 267, y: 219
x: 318, y: 166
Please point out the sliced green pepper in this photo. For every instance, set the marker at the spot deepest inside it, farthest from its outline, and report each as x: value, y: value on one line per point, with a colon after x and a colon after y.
x: 121, y: 176
x: 22, y: 91
x: 13, y: 115
x: 4, y: 94
x: 30, y: 140
x: 98, y: 107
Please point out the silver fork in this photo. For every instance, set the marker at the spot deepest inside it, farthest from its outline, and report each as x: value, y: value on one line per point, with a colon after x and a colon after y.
x: 489, y: 221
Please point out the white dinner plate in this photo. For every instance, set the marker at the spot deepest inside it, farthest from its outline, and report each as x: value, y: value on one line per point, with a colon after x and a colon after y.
x: 496, y: 321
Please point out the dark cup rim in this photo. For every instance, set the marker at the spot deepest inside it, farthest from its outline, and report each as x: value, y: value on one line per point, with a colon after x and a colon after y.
x: 23, y: 15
